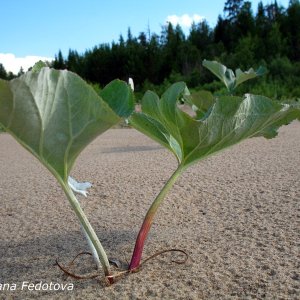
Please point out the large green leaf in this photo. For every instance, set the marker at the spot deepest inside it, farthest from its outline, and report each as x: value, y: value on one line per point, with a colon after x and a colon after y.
x: 229, y: 121
x: 228, y: 77
x: 119, y: 97
x: 55, y: 115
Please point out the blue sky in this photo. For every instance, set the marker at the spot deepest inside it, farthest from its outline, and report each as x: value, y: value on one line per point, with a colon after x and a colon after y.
x: 39, y: 28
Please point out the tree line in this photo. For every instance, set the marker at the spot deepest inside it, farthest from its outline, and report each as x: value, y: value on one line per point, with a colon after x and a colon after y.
x: 241, y: 38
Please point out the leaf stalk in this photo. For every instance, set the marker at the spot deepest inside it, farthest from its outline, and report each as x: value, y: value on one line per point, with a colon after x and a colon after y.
x: 91, y: 235
x: 143, y: 233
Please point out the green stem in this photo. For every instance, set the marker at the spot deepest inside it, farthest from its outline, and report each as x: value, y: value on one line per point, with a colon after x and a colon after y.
x: 88, y: 229
x: 143, y: 233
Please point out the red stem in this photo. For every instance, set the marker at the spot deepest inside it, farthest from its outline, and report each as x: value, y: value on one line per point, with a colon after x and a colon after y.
x: 140, y: 241
x: 143, y: 233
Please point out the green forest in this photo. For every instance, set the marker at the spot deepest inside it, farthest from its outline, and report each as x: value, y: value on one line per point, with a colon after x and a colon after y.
x: 243, y: 37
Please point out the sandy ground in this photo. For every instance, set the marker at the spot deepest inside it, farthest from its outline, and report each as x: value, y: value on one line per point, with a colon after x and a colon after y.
x: 235, y: 214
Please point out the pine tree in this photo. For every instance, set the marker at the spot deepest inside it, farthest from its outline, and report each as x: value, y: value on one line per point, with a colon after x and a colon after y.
x: 232, y: 8
x: 293, y: 29
x: 21, y: 72
x: 245, y: 23
x: 3, y: 73
x: 59, y: 62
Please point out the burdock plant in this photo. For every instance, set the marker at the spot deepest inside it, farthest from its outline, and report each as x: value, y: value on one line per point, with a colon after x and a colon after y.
x: 226, y: 121
x: 55, y: 115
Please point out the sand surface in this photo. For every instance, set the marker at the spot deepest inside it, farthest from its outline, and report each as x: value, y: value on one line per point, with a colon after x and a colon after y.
x: 236, y: 215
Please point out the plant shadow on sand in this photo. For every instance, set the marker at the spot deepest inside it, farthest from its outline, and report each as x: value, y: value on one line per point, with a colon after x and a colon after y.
x: 131, y: 149
x: 34, y: 259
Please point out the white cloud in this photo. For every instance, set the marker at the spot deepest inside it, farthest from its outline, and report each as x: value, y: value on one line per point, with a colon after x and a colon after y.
x: 184, y: 20
x: 13, y: 64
